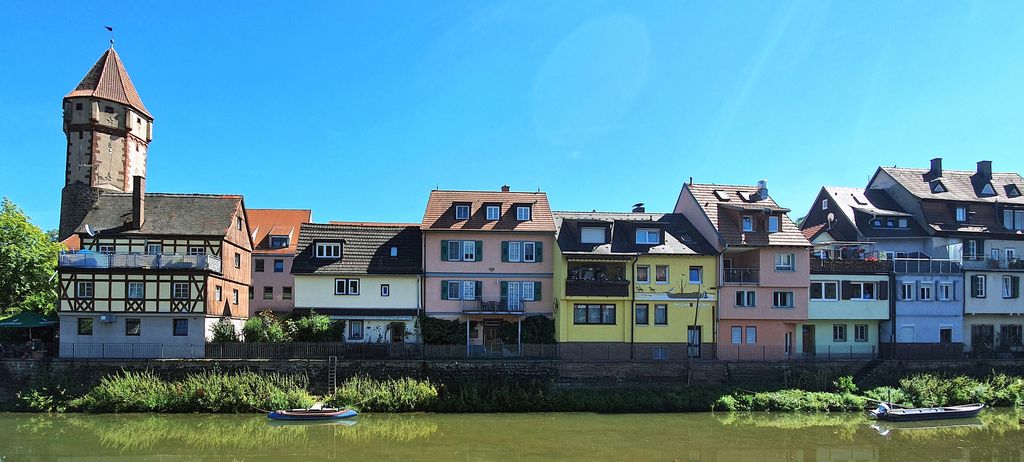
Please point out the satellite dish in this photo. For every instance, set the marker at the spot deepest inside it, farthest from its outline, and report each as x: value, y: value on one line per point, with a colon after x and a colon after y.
x: 831, y: 217
x: 90, y: 231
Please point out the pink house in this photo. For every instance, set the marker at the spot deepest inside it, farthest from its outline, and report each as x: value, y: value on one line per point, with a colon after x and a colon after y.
x: 275, y: 234
x: 764, y: 268
x: 488, y: 261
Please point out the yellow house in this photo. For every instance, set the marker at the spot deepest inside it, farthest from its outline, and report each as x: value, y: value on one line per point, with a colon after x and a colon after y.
x: 638, y: 286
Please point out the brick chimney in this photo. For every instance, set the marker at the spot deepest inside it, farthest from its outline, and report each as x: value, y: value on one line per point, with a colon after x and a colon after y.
x: 505, y: 188
x: 936, y: 170
x: 985, y: 169
x: 138, y: 201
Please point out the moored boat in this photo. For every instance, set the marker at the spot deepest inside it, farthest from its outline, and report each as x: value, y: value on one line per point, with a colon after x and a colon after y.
x: 886, y: 412
x: 312, y: 414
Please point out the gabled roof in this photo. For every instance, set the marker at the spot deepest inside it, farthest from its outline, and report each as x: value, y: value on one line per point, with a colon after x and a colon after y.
x: 872, y: 202
x: 166, y: 214
x: 276, y: 222
x: 364, y: 249
x: 440, y: 212
x: 960, y: 185
x: 109, y: 80
x: 680, y: 237
x: 713, y: 199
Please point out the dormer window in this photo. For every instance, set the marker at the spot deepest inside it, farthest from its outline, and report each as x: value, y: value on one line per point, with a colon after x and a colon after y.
x: 328, y: 250
x: 523, y: 213
x: 773, y: 224
x: 647, y: 236
x: 722, y: 195
x: 987, y: 190
x: 278, y: 242
x: 1012, y: 190
x: 937, y: 187
x: 748, y: 223
x: 493, y: 212
x: 592, y: 235
x: 461, y: 212
x: 961, y: 214
x: 904, y: 223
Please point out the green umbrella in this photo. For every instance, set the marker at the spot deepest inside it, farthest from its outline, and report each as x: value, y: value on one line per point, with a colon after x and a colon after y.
x: 28, y: 320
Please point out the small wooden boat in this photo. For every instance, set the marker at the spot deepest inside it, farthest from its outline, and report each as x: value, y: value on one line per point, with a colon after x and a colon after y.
x: 312, y: 414
x: 884, y: 411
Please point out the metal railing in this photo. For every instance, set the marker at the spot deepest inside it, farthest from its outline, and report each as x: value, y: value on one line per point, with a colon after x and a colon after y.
x: 926, y: 266
x: 980, y: 262
x: 582, y: 287
x: 129, y: 350
x: 754, y: 352
x: 841, y: 266
x: 921, y: 351
x: 94, y: 260
x: 378, y: 351
x: 741, y: 275
x: 504, y: 305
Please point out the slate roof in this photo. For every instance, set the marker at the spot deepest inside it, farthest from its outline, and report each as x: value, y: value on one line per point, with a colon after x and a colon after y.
x: 960, y: 185
x: 440, y: 212
x: 166, y: 214
x: 731, y: 202
x: 364, y: 249
x: 680, y: 237
x: 276, y: 222
x: 872, y: 202
x: 109, y: 80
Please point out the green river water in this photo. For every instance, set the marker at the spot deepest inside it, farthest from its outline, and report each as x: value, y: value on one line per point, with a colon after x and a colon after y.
x: 996, y: 435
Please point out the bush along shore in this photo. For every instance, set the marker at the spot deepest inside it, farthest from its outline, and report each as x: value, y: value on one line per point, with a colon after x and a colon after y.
x: 218, y: 392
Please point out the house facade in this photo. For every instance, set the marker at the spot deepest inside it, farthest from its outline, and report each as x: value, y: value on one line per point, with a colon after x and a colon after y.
x: 633, y: 286
x: 147, y: 275
x: 275, y: 236
x: 764, y: 268
x: 488, y: 262
x: 368, y: 275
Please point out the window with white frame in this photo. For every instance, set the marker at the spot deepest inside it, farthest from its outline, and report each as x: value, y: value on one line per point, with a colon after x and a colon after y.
x: 355, y: 329
x: 1007, y: 286
x: 824, y: 290
x: 824, y: 204
x: 737, y: 335
x: 971, y: 249
x: 696, y: 274
x: 234, y: 296
x: 493, y: 212
x: 454, y: 290
x: 1011, y: 254
x: 784, y: 262
x: 925, y: 291
x: 154, y: 249
x: 468, y: 290
x: 660, y: 314
x: 945, y: 291
x: 181, y: 291
x: 661, y: 274
x: 838, y: 332
x: 218, y: 293
x: 646, y: 236
x: 346, y: 286
x: 773, y: 224
x: 105, y: 248
x: 860, y: 333
x: 196, y: 250
x: 643, y: 274
x: 328, y: 250
x: 961, y: 214
x: 746, y: 298
x: 907, y: 291
x: 523, y: 213
x: 862, y: 290
x: 515, y: 251
x: 528, y: 290
x: 278, y: 242
x: 592, y: 235
x: 84, y: 289
x: 137, y: 290
x: 454, y: 250
x: 468, y: 250
x: 993, y: 254
x: 978, y: 283
x: 782, y: 299
x: 385, y: 290
x: 353, y: 287
x: 751, y: 335
x: 529, y: 252
x: 461, y: 212
x: 748, y: 223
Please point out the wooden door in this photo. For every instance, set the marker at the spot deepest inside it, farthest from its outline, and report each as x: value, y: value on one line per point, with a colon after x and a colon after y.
x: 808, y: 339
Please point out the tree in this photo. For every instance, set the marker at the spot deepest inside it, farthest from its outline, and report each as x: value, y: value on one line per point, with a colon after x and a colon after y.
x: 28, y: 263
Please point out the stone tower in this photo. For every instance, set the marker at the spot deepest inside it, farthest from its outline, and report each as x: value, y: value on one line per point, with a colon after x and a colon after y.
x: 108, y: 131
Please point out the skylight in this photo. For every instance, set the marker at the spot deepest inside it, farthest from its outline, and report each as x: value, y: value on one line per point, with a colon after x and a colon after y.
x: 721, y: 195
x: 858, y: 199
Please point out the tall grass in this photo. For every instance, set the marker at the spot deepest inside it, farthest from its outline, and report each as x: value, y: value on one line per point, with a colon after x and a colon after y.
x: 392, y: 395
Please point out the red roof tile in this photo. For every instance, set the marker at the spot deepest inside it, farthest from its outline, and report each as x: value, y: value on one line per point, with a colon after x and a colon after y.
x: 109, y: 80
x: 440, y: 212
x: 730, y: 202
x: 276, y: 222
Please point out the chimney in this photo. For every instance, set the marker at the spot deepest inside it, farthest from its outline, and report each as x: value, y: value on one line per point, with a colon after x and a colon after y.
x: 638, y: 207
x: 138, y: 201
x: 936, y: 170
x: 505, y: 188
x: 985, y: 169
x: 762, y: 189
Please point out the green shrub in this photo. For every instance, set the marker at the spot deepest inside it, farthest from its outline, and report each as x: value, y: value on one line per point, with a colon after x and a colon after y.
x: 436, y: 331
x: 791, y: 401
x: 265, y: 328
x: 126, y: 392
x: 845, y: 384
x: 224, y: 331
x: 392, y: 395
x: 44, y: 400
x: 890, y: 395
x: 313, y: 328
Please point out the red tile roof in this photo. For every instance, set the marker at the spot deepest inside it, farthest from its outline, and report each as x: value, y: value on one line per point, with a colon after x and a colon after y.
x: 812, y: 232
x: 109, y: 80
x: 440, y: 212
x: 276, y: 222
x: 731, y: 201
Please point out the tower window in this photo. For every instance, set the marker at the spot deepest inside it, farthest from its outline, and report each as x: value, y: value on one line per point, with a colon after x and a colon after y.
x: 78, y: 106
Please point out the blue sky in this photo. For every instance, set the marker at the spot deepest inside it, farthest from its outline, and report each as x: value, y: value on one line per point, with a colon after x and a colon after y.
x: 358, y: 110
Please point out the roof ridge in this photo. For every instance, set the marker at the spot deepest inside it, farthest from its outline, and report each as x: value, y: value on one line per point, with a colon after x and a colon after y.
x: 724, y: 185
x: 947, y: 170
x: 486, y: 191
x: 365, y: 224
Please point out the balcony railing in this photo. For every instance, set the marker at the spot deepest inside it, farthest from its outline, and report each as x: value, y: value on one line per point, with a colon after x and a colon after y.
x: 586, y: 288
x: 495, y: 306
x: 741, y: 275
x: 980, y: 262
x: 839, y: 266
x: 93, y: 260
x: 925, y: 266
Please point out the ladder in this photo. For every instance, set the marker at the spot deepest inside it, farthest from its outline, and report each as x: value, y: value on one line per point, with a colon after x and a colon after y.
x: 332, y: 374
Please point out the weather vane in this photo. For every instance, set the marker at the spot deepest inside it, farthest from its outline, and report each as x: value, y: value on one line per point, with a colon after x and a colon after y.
x: 111, y: 30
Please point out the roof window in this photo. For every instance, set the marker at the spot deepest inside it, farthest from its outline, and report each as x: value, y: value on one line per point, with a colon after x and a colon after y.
x: 938, y: 187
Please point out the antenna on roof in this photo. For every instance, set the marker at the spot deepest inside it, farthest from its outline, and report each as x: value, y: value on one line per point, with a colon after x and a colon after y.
x: 111, y: 30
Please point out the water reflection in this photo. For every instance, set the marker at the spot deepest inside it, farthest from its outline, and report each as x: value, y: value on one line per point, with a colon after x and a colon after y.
x: 995, y: 435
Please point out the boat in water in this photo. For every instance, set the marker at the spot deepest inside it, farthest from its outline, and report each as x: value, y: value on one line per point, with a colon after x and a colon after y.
x: 312, y: 414
x: 888, y: 412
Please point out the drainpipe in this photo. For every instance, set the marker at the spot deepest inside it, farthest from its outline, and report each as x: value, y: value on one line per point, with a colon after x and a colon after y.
x: 892, y: 309
x: 632, y: 309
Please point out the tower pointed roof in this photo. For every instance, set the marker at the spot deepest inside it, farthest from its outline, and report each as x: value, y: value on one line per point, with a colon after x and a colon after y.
x: 109, y: 80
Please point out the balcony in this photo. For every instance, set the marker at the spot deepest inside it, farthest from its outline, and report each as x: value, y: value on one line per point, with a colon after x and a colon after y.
x: 844, y: 266
x: 741, y: 276
x: 502, y: 306
x: 93, y: 260
x: 981, y: 263
x: 587, y: 288
x: 925, y: 266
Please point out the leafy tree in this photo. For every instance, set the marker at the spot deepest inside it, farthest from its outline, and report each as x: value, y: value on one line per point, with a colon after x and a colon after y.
x: 28, y: 262
x: 224, y: 332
